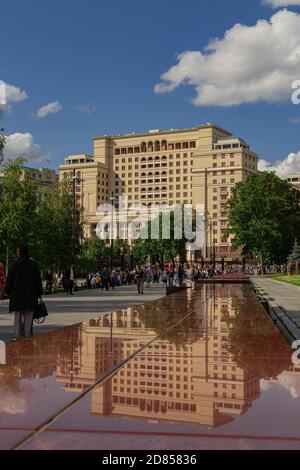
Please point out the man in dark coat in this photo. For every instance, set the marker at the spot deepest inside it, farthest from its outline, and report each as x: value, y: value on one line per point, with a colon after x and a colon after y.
x: 24, y: 287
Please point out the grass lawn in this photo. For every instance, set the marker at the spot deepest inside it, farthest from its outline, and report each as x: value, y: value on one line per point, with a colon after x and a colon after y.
x: 294, y: 280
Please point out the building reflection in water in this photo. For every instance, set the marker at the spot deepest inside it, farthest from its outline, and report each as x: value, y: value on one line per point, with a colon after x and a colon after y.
x: 207, y: 370
x: 189, y: 375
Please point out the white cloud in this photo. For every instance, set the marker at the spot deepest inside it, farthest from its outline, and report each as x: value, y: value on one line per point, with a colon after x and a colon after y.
x: 250, y: 63
x: 87, y: 108
x: 14, y: 94
x: 50, y: 108
x: 10, y: 94
x: 291, y: 164
x: 22, y: 144
x: 290, y: 382
x: 281, y: 3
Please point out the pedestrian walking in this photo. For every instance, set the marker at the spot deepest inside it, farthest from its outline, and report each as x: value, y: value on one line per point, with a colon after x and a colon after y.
x: 139, y: 277
x: 23, y: 287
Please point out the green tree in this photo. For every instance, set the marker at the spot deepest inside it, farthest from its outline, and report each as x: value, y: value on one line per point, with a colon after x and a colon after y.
x: 160, y: 250
x: 295, y: 253
x: 94, y: 255
x: 2, y: 144
x: 53, y: 240
x: 18, y: 203
x: 264, y: 217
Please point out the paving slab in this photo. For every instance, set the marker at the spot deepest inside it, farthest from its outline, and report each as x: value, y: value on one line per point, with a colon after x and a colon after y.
x: 69, y: 310
x: 281, y: 296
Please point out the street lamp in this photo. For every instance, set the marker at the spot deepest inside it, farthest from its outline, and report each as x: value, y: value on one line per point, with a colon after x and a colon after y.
x: 112, y: 231
x: 131, y: 259
x: 75, y: 179
x: 122, y: 258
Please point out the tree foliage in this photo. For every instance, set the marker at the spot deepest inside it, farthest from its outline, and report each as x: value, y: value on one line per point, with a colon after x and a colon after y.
x: 161, y: 250
x: 53, y: 242
x: 40, y: 219
x: 2, y: 144
x: 295, y: 253
x: 94, y: 255
x: 18, y: 201
x: 264, y: 217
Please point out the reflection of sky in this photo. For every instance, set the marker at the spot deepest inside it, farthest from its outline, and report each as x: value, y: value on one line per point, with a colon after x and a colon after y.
x: 31, y: 405
x: 275, y: 413
x: 287, y: 380
x: 12, y: 404
x: 290, y: 382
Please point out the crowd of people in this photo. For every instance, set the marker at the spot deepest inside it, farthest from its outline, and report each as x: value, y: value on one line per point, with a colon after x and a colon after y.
x: 144, y: 275
x: 24, y: 284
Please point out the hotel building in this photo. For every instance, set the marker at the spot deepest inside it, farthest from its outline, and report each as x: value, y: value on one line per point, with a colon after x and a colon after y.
x: 197, y: 166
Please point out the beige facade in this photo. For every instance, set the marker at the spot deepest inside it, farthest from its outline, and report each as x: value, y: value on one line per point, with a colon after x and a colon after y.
x: 44, y: 177
x: 294, y: 179
x: 188, y: 166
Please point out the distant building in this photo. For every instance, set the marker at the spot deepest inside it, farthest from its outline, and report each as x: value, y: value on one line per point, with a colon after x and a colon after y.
x: 294, y: 179
x: 44, y: 177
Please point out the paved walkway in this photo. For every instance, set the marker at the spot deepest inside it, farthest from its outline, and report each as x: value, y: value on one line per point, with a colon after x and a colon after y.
x: 69, y: 310
x: 282, y: 295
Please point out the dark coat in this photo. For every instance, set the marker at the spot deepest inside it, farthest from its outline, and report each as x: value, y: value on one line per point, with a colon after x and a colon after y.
x: 24, y: 284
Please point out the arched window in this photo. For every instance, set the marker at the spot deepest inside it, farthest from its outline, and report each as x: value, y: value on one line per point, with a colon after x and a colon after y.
x: 150, y: 190
x: 164, y: 158
x: 164, y: 173
x: 157, y: 190
x: 143, y: 147
x: 150, y: 175
x: 157, y: 146
x: 164, y: 145
x: 157, y: 173
x: 157, y: 159
x: 150, y: 159
x: 164, y: 188
x: 150, y: 146
x: 143, y: 175
x: 143, y: 159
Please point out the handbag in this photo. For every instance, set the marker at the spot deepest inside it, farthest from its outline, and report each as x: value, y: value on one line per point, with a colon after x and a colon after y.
x: 40, y: 312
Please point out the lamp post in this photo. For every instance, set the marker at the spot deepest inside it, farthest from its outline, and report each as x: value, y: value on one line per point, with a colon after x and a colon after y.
x: 131, y: 259
x: 75, y: 179
x: 122, y: 258
x: 211, y: 242
x: 112, y: 231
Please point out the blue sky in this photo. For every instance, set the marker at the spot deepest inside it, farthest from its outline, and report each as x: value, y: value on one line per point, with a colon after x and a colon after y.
x: 109, y: 55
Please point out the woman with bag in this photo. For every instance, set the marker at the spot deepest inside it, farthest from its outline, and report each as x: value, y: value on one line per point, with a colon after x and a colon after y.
x: 24, y: 288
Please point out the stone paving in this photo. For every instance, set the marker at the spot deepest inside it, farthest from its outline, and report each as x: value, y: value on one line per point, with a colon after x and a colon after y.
x: 281, y: 296
x: 84, y: 305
